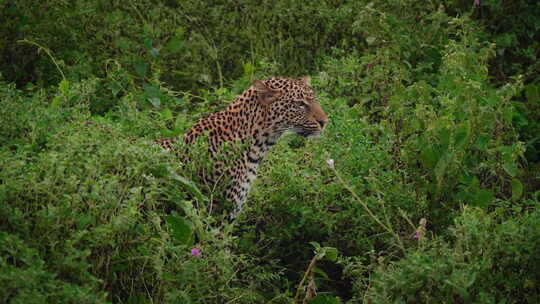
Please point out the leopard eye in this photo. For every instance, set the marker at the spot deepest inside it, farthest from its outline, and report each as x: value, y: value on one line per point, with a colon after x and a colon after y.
x: 304, y: 104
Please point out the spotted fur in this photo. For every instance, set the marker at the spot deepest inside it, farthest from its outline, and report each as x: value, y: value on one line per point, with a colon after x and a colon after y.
x: 260, y: 115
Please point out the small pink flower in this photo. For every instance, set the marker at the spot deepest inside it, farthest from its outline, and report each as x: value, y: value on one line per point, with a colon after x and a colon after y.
x: 477, y: 2
x: 195, y: 252
x: 416, y: 235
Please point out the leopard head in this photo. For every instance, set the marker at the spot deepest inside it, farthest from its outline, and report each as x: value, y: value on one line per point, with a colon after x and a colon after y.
x: 292, y: 105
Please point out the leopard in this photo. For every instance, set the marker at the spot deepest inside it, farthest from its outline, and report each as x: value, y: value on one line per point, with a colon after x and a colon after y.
x: 259, y: 116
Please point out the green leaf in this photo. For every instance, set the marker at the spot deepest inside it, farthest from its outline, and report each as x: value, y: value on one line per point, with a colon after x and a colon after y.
x: 517, y: 188
x: 532, y: 93
x: 141, y: 68
x: 429, y: 157
x: 320, y: 272
x: 64, y: 86
x: 444, y: 138
x: 166, y: 114
x: 190, y: 186
x: 482, y: 142
x: 483, y: 198
x: 460, y: 137
x: 508, y: 114
x: 123, y: 44
x: 510, y: 168
x: 151, y: 90
x: 179, y: 123
x: 83, y: 220
x: 440, y: 168
x: 181, y: 229
x: 316, y: 245
x: 56, y: 102
x: 175, y: 44
x: 331, y: 253
x: 115, y: 88
x: 148, y: 44
x: 325, y: 299
x: 160, y: 170
x: 167, y: 133
x: 416, y: 124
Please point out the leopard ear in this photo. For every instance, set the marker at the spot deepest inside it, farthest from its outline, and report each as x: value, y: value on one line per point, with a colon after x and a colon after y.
x: 266, y: 95
x: 306, y: 80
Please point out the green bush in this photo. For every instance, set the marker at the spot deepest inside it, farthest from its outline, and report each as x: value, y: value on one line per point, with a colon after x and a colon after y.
x: 486, y: 259
x: 196, y: 43
x: 423, y: 188
x: 92, y: 216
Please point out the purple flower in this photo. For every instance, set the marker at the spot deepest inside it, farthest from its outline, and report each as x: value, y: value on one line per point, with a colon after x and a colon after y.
x: 195, y: 252
x: 416, y: 235
x: 477, y: 2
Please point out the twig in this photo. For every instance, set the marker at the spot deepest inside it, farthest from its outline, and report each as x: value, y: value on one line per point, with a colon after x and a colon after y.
x: 306, y: 274
x: 369, y: 212
x: 47, y: 51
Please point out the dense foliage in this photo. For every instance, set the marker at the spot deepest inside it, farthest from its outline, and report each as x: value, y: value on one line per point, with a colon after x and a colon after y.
x: 423, y: 189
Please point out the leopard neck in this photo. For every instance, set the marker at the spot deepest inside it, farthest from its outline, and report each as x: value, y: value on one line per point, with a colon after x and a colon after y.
x: 251, y: 120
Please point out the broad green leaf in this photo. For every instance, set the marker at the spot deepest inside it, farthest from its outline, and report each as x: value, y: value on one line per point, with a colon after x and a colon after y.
x: 148, y: 44
x: 429, y: 157
x: 510, y: 168
x: 115, y: 88
x: 483, y: 198
x: 151, y: 90
x: 140, y: 68
x: 181, y: 229
x: 316, y: 245
x: 175, y: 44
x: 517, y: 188
x: 331, y: 253
x: 190, y: 186
x: 123, y: 44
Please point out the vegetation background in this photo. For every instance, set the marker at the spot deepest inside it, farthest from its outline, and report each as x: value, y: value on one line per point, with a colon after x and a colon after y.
x: 424, y: 189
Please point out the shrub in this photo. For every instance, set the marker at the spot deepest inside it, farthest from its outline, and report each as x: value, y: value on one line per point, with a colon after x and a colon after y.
x: 486, y: 259
x: 424, y: 187
x: 92, y: 215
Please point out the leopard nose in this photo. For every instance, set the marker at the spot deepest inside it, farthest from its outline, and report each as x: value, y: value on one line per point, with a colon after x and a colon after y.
x: 322, y: 123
